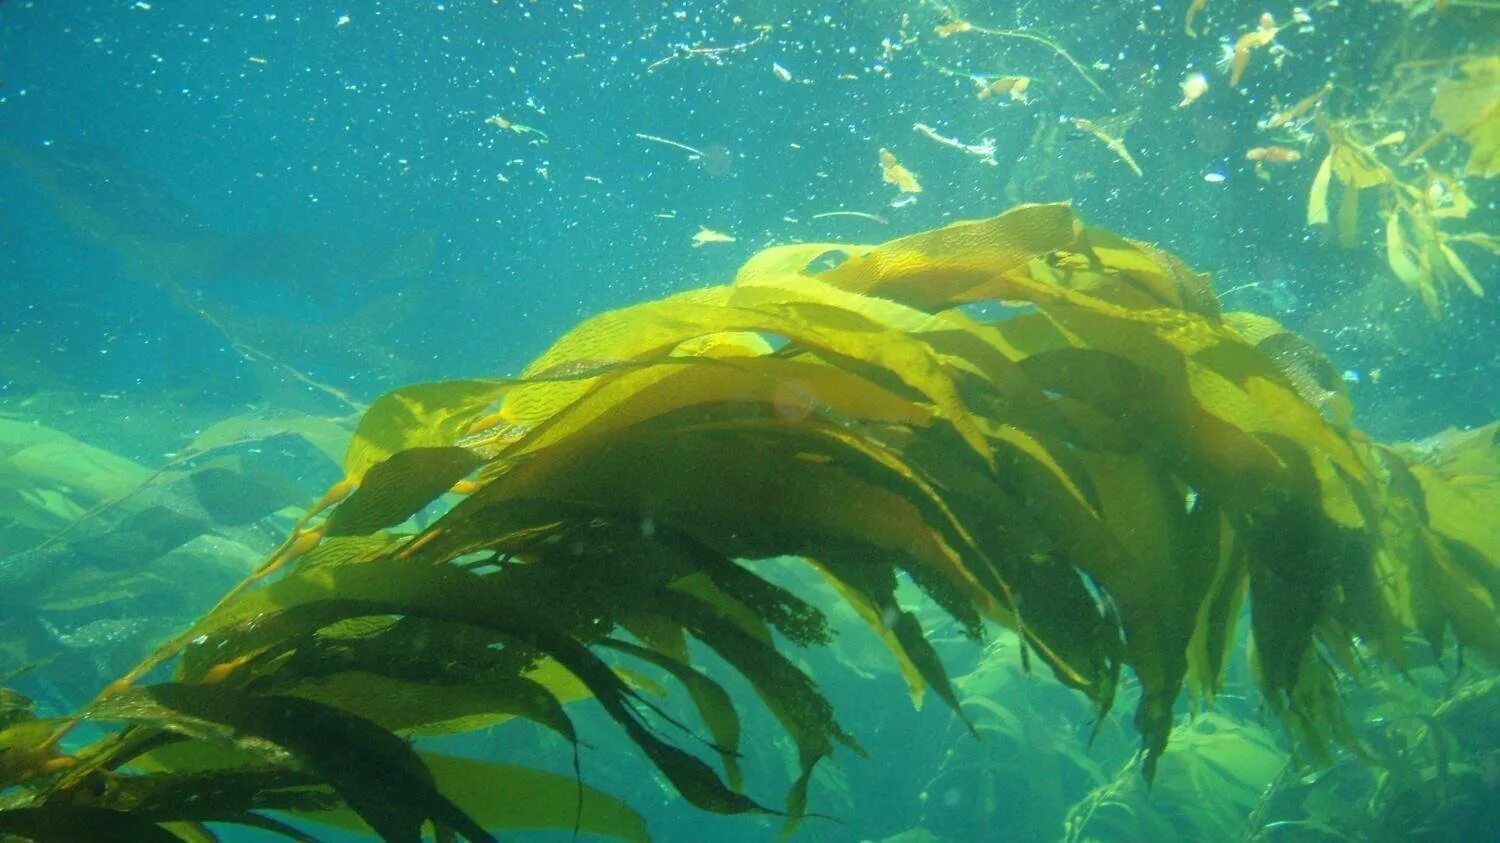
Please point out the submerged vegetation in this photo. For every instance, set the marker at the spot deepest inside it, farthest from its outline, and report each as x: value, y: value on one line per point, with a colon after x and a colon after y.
x: 1404, y: 119
x: 1418, y: 203
x: 1135, y: 542
x: 1043, y: 426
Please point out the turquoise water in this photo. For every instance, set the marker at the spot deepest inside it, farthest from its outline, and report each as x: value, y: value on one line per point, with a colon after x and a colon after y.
x: 304, y: 155
x: 232, y: 209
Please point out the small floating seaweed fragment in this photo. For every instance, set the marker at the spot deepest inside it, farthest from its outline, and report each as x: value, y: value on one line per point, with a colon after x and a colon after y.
x: 984, y: 150
x: 1187, y: 22
x: 1263, y: 155
x: 1262, y: 36
x: 892, y: 172
x: 1273, y: 155
x: 1115, y: 145
x: 781, y: 73
x: 1012, y: 86
x: 512, y: 126
x: 1193, y: 87
x: 707, y: 235
x: 947, y: 30
x: 1298, y: 109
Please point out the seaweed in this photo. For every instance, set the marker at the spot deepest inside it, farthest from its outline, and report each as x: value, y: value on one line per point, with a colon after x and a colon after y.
x: 1425, y: 192
x: 1111, y: 469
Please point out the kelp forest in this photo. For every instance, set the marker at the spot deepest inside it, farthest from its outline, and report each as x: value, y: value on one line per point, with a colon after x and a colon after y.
x: 1035, y: 523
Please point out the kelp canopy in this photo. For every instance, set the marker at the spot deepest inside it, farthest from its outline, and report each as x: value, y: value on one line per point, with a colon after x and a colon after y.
x: 1111, y: 468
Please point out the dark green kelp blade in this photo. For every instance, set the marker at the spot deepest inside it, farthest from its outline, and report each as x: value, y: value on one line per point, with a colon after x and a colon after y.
x: 375, y: 772
x: 77, y: 824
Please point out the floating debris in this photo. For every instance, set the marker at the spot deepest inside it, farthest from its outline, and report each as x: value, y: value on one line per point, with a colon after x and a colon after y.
x: 891, y: 172
x: 1239, y: 58
x: 860, y: 214
x: 1011, y: 86
x: 1193, y: 87
x: 984, y: 150
x: 707, y: 235
x: 1302, y: 107
x: 1192, y: 12
x: 1273, y: 155
x: 1115, y: 145
x: 711, y: 54
x: 954, y: 27
x: 1263, y: 155
x: 517, y: 128
x: 781, y: 73
x: 654, y: 139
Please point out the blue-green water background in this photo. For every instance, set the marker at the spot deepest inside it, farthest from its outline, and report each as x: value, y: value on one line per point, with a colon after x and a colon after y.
x: 360, y: 137
x: 344, y: 184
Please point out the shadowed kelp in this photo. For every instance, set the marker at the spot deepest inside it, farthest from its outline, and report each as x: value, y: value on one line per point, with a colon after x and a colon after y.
x: 1111, y: 471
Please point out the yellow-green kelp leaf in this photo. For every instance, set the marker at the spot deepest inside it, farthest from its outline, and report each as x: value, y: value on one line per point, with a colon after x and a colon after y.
x: 48, y: 479
x: 1469, y: 107
x: 504, y: 796
x: 398, y: 487
x: 958, y: 263
x: 500, y: 797
x: 507, y: 797
x: 329, y: 436
x: 424, y: 415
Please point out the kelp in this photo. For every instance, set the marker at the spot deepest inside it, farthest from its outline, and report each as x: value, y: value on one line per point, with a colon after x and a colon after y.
x: 1029, y: 765
x: 1425, y: 772
x: 1111, y: 469
x: 95, y: 548
x: 1418, y: 250
x: 1213, y: 777
x: 1376, y: 148
x: 1469, y: 107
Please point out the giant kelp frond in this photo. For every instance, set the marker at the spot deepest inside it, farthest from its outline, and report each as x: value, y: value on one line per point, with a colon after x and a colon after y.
x: 1111, y: 470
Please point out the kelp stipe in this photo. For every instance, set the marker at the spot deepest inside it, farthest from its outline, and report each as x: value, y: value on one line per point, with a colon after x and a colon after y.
x: 1111, y: 472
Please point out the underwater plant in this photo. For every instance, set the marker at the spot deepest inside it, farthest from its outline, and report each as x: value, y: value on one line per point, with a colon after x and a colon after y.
x: 1111, y: 468
x: 1425, y: 192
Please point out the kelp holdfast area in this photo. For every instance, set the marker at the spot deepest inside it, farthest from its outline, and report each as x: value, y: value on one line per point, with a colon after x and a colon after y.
x: 1040, y: 424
